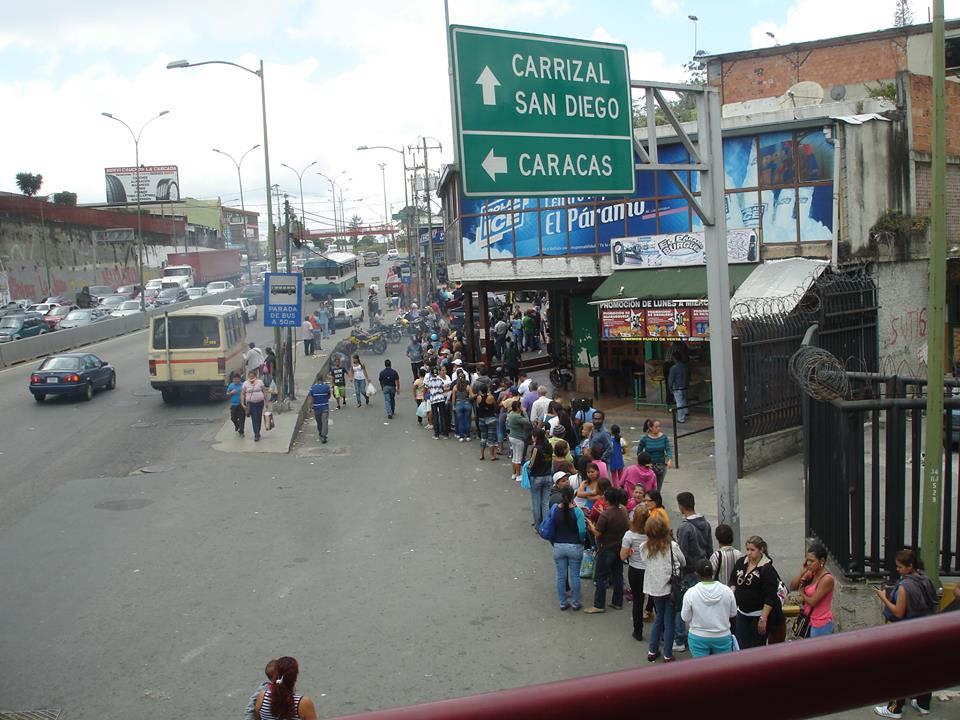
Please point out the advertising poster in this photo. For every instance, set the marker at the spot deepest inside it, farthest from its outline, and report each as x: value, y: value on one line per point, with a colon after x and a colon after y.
x: 668, y: 323
x: 158, y: 183
x: 282, y: 299
x: 622, y: 324
x: 700, y: 324
x: 656, y: 320
x: 680, y: 249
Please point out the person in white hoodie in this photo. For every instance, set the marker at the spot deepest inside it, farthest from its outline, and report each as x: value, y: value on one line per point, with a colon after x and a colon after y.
x: 707, y: 609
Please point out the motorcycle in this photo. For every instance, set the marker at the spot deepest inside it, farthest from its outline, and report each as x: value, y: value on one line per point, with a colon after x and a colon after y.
x: 393, y: 333
x: 361, y: 340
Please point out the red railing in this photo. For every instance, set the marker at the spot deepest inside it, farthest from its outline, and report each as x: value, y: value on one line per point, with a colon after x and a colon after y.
x: 803, y: 679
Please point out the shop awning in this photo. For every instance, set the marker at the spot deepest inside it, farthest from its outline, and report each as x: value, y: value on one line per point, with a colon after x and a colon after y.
x: 776, y: 286
x: 686, y: 283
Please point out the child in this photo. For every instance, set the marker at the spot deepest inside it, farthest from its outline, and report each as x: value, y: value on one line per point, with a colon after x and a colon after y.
x: 237, y: 414
x: 585, y: 431
x: 271, y: 672
x: 636, y: 499
x: 641, y: 474
x: 419, y: 392
x: 616, y: 456
x: 338, y: 374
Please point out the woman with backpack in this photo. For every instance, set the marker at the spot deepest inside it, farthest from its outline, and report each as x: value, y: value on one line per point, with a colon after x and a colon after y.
x: 755, y: 584
x: 566, y: 529
x: 913, y: 596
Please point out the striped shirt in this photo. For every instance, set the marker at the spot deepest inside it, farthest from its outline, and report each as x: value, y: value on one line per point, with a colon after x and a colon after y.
x: 266, y: 711
x: 658, y: 448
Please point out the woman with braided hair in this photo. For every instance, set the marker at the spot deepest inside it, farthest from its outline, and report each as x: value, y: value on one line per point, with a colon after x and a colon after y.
x: 280, y: 700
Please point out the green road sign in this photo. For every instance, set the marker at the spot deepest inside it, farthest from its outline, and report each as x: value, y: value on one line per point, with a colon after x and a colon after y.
x: 540, y: 115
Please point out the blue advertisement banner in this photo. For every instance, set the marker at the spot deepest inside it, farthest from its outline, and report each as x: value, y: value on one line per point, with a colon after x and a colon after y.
x: 282, y: 299
x: 510, y: 228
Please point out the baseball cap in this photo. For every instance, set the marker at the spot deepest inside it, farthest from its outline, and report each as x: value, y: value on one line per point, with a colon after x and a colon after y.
x: 458, y: 361
x: 560, y: 475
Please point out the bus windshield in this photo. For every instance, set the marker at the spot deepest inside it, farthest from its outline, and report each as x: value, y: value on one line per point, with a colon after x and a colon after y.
x: 187, y: 332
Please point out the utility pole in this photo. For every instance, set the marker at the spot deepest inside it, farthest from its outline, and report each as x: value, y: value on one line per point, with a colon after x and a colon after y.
x: 386, y: 217
x: 426, y: 194
x: 288, y: 353
x: 416, y: 239
x: 931, y: 502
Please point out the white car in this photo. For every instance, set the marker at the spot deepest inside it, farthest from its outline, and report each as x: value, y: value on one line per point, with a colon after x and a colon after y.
x: 127, y: 307
x: 249, y: 309
x: 219, y: 286
x: 347, y: 311
x: 196, y: 292
x: 393, y: 254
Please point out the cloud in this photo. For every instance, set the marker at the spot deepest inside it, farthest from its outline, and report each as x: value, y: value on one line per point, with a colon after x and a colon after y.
x: 815, y: 19
x: 666, y: 8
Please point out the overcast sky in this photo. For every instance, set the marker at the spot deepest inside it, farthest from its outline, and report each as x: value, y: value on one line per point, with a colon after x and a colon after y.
x: 338, y: 75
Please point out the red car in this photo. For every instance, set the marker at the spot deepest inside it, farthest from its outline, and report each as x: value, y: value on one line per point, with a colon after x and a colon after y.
x: 53, y: 318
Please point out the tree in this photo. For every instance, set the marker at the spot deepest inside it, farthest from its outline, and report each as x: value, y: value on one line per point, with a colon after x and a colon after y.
x: 65, y: 197
x: 903, y: 15
x: 356, y: 222
x: 685, y: 106
x: 29, y: 184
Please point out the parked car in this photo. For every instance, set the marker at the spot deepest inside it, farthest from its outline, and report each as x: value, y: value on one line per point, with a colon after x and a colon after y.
x: 71, y: 374
x: 97, y: 292
x: 393, y: 254
x: 219, y: 286
x: 196, y: 292
x: 127, y: 307
x: 249, y: 309
x: 169, y: 296
x: 347, y: 311
x: 42, y: 308
x: 59, y: 300
x: 82, y: 318
x: 23, y: 325
x: 112, y: 302
x: 130, y: 291
x: 371, y: 258
x: 53, y: 318
x: 253, y: 293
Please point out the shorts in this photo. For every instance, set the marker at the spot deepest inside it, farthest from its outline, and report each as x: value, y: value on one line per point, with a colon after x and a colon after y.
x: 339, y: 391
x: 516, y: 447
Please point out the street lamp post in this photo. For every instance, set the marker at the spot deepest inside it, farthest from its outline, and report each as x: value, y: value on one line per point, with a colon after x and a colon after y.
x: 303, y: 217
x: 136, y: 150
x: 694, y: 19
x: 271, y: 233
x: 406, y: 208
x: 333, y: 194
x: 383, y: 176
x: 243, y: 207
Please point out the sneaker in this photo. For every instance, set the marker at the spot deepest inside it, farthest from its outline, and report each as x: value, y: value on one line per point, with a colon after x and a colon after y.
x: 616, y: 607
x: 577, y: 607
x: 467, y: 439
x: 916, y: 706
x: 564, y: 607
x: 324, y: 441
x: 652, y: 657
x: 460, y: 440
x: 594, y: 610
x: 885, y: 711
x: 679, y: 647
x: 637, y: 636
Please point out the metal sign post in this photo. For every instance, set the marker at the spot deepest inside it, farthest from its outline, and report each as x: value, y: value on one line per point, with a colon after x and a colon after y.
x: 541, y: 115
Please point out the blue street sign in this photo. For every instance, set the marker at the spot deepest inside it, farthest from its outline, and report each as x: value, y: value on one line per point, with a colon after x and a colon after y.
x: 282, y: 299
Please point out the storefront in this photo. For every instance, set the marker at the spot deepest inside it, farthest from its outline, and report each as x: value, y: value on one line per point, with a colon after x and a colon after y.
x: 644, y: 316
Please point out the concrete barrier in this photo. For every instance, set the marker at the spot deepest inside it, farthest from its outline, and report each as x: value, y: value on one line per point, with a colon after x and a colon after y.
x: 18, y: 351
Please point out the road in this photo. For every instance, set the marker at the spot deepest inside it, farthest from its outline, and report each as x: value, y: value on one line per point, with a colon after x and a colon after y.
x: 396, y: 568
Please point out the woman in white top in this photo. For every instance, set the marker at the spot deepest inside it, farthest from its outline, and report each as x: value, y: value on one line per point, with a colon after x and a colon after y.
x: 663, y: 559
x: 707, y: 609
x: 359, y: 379
x: 633, y: 539
x: 252, y: 397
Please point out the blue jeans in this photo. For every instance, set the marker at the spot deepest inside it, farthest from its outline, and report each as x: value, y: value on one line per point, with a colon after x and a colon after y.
x: 488, y: 433
x: 609, y: 568
x: 680, y: 398
x: 540, y: 497
x: 500, y: 344
x: 680, y: 627
x: 701, y: 646
x: 256, y: 417
x: 662, y: 626
x: 360, y: 386
x: 462, y: 412
x: 568, y: 557
x: 389, y: 398
x: 821, y: 631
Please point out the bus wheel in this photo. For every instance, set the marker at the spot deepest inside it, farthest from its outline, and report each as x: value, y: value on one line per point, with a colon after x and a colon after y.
x: 169, y: 396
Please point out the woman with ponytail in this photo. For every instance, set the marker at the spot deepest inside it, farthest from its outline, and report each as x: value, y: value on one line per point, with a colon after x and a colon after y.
x: 280, y: 700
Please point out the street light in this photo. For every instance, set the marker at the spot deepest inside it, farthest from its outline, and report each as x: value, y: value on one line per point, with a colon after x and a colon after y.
x: 333, y: 194
x: 774, y: 37
x: 242, y: 205
x: 136, y: 149
x: 694, y: 18
x: 271, y: 234
x: 406, y: 206
x: 303, y: 216
x: 383, y: 176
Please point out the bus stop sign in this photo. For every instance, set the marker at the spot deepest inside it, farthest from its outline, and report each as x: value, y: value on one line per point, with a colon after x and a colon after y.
x: 540, y: 115
x: 282, y: 299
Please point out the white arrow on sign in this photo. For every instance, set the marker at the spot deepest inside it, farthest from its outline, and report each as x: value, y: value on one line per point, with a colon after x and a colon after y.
x: 488, y: 81
x: 494, y: 164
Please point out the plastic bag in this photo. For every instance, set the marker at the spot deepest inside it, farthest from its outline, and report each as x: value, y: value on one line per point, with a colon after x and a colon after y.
x: 525, y: 475
x: 422, y: 409
x: 268, y: 422
x: 371, y: 389
x: 587, y: 564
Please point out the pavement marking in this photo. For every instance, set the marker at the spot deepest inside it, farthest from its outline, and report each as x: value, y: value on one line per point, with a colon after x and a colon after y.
x: 198, y: 651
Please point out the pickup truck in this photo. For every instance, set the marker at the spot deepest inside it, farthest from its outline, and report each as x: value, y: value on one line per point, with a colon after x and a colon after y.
x: 347, y: 311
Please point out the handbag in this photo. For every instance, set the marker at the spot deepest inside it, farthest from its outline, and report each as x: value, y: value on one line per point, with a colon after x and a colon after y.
x: 801, y: 626
x: 268, y: 422
x: 525, y: 475
x: 676, y: 583
x: 587, y: 564
x: 548, y: 528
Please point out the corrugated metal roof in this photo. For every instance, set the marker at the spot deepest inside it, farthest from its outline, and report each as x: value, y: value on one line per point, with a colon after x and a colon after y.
x: 783, y: 280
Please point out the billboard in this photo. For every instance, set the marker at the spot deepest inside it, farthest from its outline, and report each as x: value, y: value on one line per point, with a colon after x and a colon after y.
x: 656, y: 320
x: 680, y: 249
x: 158, y: 183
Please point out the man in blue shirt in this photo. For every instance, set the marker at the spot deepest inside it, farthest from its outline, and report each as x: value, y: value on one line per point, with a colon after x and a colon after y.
x: 320, y: 397
x: 415, y: 353
x: 678, y: 379
x: 238, y: 416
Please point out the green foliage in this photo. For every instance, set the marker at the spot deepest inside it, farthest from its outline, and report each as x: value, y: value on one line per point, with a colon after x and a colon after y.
x: 903, y: 15
x: 65, y: 197
x: 898, y: 224
x: 29, y: 184
x: 885, y: 90
x: 685, y: 106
